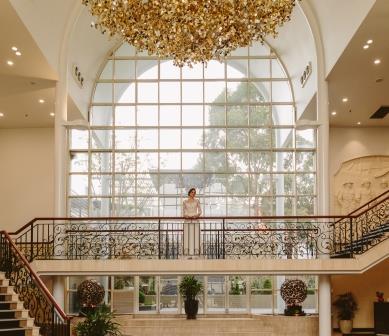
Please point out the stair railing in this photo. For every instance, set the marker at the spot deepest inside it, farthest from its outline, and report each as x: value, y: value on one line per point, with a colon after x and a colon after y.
x: 47, y: 314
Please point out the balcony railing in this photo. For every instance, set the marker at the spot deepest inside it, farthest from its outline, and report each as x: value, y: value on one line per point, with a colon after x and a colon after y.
x: 288, y: 237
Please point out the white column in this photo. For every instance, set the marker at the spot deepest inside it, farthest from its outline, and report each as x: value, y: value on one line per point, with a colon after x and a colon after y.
x: 60, y: 146
x: 59, y: 290
x: 325, y: 327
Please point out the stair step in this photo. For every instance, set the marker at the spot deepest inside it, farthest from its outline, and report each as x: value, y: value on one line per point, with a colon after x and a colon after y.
x: 20, y: 331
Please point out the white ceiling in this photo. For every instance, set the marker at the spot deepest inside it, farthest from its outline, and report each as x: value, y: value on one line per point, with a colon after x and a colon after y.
x: 354, y: 74
x: 33, y: 78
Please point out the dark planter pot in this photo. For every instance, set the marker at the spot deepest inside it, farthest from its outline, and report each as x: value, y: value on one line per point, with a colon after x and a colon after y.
x: 191, y: 309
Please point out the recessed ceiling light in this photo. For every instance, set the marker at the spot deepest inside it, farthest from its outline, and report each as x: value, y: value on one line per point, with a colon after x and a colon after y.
x: 52, y: 114
x: 18, y: 53
x: 333, y: 112
x: 366, y: 46
x: 1, y: 114
x: 345, y: 100
x: 10, y: 63
x: 41, y: 101
x: 377, y: 61
x: 369, y: 41
x: 14, y: 48
x: 358, y: 123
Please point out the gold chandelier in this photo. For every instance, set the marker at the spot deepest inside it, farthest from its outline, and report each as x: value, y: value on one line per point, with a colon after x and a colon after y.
x: 190, y: 31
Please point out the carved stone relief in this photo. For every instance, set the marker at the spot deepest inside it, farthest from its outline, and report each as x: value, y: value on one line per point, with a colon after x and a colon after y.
x: 358, y: 181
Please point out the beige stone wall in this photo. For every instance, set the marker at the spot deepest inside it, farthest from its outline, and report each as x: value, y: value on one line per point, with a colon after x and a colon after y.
x: 26, y: 175
x: 364, y: 287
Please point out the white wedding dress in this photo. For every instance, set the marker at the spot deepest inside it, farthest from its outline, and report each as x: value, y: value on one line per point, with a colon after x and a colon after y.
x: 191, y: 208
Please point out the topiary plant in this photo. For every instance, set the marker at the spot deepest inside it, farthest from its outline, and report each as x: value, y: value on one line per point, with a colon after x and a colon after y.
x: 346, y: 306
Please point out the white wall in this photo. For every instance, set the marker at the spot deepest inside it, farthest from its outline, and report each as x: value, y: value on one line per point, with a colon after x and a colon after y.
x: 26, y: 175
x: 348, y: 143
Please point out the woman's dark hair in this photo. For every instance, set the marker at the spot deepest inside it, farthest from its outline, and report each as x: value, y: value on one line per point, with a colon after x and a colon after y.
x: 190, y: 190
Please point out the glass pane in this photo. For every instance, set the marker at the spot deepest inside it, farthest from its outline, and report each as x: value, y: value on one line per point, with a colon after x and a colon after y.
x: 194, y: 72
x: 192, y: 138
x: 103, y: 93
x: 237, y: 68
x: 125, y: 50
x: 283, y: 138
x: 124, y: 69
x: 214, y: 206
x: 78, y: 185
x: 243, y: 52
x: 192, y: 161
x: 169, y: 92
x: 146, y: 184
x: 170, y: 138
x: 100, y: 207
x: 305, y: 161
x: 124, y: 93
x: 238, y: 206
x: 147, y: 162
x: 259, y: 92
x: 237, y: 138
x: 147, y: 69
x: 237, y: 92
x: 237, y: 162
x: 147, y: 138
x: 101, y: 162
x: 216, y: 184
x: 169, y: 294
x: 260, y: 138
x: 259, y: 68
x: 305, y: 138
x: 215, y: 138
x: 101, y: 139
x: 123, y: 295
x: 78, y: 207
x: 260, y: 161
x: 101, y: 185
x: 147, y: 206
x: 276, y: 69
x: 237, y: 115
x: 214, y: 92
x: 125, y: 206
x: 147, y: 92
x: 238, y: 184
x: 169, y: 115
x: 305, y: 184
x: 216, y: 294
x: 281, y: 92
x: 192, y: 92
x: 170, y: 161
x: 283, y: 184
x: 283, y: 115
x: 169, y: 71
x: 214, y: 70
x: 260, y: 184
x: 170, y: 184
x: 147, y: 115
x: 193, y: 181
x: 261, y: 295
x: 125, y: 162
x: 283, y: 161
x: 124, y: 139
x: 147, y: 293
x: 215, y: 162
x: 78, y: 162
x: 124, y: 184
x: 215, y: 115
x: 101, y: 116
x: 192, y: 115
x: 305, y: 206
x: 237, y: 297
x: 78, y: 139
x: 125, y: 115
x: 284, y: 206
x: 260, y: 115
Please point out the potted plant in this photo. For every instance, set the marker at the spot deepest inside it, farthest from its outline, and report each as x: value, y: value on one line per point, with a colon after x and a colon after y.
x: 189, y: 288
x: 98, y: 322
x: 346, y: 306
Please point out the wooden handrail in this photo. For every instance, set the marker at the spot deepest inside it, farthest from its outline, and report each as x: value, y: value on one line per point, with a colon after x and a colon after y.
x: 37, y: 279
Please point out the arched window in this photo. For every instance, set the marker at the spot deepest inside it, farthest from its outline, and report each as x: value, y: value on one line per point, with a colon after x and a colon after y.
x: 227, y: 129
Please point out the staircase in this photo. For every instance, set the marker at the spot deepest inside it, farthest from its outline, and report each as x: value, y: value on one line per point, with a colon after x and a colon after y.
x: 14, y: 319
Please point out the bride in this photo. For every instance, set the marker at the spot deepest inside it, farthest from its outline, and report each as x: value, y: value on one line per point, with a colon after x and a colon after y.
x: 191, y: 211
